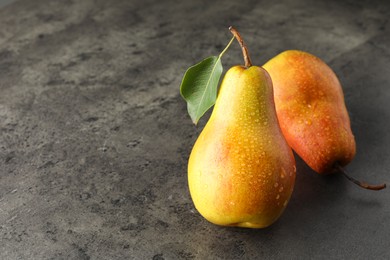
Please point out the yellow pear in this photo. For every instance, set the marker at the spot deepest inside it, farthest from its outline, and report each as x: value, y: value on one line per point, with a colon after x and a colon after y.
x: 241, y: 171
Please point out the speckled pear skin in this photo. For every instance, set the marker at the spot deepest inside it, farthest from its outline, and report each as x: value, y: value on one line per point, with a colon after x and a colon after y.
x: 310, y: 107
x: 241, y: 171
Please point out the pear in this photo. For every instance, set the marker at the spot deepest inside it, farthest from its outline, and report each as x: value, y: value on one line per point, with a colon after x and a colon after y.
x: 310, y: 106
x: 311, y: 111
x: 241, y: 171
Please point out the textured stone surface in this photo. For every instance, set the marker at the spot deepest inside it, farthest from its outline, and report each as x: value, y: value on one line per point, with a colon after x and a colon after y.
x: 94, y: 137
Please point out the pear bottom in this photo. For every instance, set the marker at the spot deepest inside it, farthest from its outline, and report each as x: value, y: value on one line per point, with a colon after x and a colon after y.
x: 237, y: 199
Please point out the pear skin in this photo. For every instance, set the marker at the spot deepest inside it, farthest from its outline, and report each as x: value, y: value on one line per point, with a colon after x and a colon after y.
x: 310, y: 107
x: 241, y: 171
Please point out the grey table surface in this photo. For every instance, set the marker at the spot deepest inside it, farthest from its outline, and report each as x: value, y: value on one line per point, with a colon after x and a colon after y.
x: 95, y: 138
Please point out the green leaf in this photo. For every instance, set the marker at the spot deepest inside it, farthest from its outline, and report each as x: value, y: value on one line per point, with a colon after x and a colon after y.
x: 199, y: 86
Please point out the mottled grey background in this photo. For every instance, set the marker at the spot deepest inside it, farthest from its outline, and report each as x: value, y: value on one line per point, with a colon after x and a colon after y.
x: 5, y: 2
x: 94, y: 136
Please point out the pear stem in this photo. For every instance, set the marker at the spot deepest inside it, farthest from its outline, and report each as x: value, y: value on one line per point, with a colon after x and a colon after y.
x: 359, y: 183
x: 248, y: 62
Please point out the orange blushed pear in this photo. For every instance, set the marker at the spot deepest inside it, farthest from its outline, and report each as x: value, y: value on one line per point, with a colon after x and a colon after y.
x: 312, y: 114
